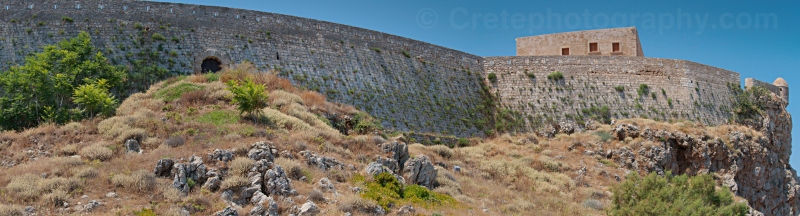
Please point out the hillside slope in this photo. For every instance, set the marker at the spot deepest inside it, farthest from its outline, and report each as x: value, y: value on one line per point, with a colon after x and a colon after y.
x: 182, y: 147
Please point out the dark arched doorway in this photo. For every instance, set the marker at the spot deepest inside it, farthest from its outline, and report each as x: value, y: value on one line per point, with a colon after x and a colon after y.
x: 210, y: 65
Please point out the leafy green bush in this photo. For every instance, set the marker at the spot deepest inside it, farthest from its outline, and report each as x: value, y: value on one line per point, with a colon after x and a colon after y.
x: 364, y: 123
x: 95, y: 99
x: 492, y: 77
x: 67, y: 19
x: 530, y: 75
x: 555, y: 76
x: 174, y: 92
x: 387, y: 191
x: 250, y: 97
x: 41, y: 90
x: 673, y: 195
x: 619, y: 88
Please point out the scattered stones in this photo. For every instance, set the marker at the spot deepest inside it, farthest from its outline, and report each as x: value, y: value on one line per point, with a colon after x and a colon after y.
x: 324, y: 163
x: 228, y: 211
x: 326, y: 185
x: 406, y: 210
x: 132, y: 146
x: 91, y: 205
x: 456, y: 168
x: 111, y: 195
x: 262, y: 150
x: 213, y: 182
x: 420, y: 171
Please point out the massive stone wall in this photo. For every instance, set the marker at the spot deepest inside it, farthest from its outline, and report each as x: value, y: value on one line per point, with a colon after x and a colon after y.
x: 409, y: 85
x: 697, y: 92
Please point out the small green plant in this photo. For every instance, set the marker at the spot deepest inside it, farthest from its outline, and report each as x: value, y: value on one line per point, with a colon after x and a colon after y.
x: 663, y: 92
x: 145, y: 212
x: 95, y: 99
x: 643, y: 90
x: 406, y: 54
x: 463, y: 142
x: 219, y: 117
x: 387, y: 191
x: 376, y: 49
x: 67, y: 19
x: 653, y: 95
x: 158, y: 37
x: 249, y: 96
x: 555, y: 76
x: 493, y: 77
x: 669, y: 102
x: 530, y: 75
x: 138, y: 26
x: 619, y: 88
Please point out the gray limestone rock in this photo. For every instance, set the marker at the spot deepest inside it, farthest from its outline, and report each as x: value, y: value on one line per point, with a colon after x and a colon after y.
x: 420, y: 171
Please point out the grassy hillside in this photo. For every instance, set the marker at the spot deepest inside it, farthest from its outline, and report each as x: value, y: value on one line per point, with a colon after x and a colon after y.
x: 52, y: 167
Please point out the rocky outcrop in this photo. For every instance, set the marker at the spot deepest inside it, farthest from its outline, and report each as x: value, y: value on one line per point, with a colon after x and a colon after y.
x: 228, y: 211
x: 754, y: 167
x: 262, y: 150
x: 398, y: 150
x: 132, y: 146
x: 219, y: 155
x: 194, y: 170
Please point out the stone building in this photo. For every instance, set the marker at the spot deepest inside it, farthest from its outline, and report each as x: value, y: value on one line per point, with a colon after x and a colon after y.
x: 607, y: 42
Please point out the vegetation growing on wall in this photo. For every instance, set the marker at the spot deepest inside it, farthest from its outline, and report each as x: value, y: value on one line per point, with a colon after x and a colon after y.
x: 748, y: 104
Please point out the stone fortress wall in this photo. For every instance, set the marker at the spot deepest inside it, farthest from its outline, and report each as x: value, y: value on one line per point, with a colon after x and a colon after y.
x: 697, y: 92
x: 578, y: 43
x: 409, y: 85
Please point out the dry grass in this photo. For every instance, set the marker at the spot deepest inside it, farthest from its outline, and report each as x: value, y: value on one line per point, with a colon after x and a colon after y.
x: 313, y: 99
x: 85, y: 172
x: 234, y: 182
x: 140, y: 181
x: 11, y: 210
x: 240, y: 166
x: 98, y: 151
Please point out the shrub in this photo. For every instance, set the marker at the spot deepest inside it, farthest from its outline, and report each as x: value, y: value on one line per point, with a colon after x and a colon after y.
x: 86, y: 172
x: 24, y: 187
x: 387, y: 191
x: 673, y: 195
x: 249, y: 96
x: 240, y: 166
x: 406, y: 54
x: 140, y: 181
x: 492, y: 77
x: 158, y: 37
x: 643, y: 90
x: 234, y: 182
x: 11, y: 210
x: 43, y: 87
x: 95, y: 99
x: 96, y: 152
x: 462, y: 142
x: 619, y: 88
x: 316, y: 196
x: 555, y: 76
x: 669, y: 102
x: 748, y: 104
x: 354, y: 204
x: 67, y: 19
x: 376, y: 49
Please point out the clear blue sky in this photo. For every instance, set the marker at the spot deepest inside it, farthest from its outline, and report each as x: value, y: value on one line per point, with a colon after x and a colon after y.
x: 759, y: 39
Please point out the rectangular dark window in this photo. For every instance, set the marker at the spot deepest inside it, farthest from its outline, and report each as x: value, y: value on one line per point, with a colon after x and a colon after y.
x: 593, y: 47
x: 615, y: 47
x: 564, y: 51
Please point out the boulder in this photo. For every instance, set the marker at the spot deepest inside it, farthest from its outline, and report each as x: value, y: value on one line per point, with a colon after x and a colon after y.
x: 308, y: 208
x: 375, y: 168
x: 91, y: 205
x: 132, y: 146
x: 164, y: 167
x: 406, y: 210
x: 420, y: 171
x: 260, y: 210
x: 276, y: 182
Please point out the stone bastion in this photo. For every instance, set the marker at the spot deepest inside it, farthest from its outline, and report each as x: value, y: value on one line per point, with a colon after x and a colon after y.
x: 409, y: 85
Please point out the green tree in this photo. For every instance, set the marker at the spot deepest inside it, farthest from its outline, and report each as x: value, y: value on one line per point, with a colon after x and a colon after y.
x: 95, y: 99
x: 673, y: 195
x: 41, y: 89
x: 250, y: 97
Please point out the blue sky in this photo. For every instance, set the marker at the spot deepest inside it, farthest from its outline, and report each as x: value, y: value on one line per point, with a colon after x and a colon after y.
x: 759, y: 39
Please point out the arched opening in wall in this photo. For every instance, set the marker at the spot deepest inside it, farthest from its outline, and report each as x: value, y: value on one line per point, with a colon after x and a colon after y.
x: 211, y: 65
